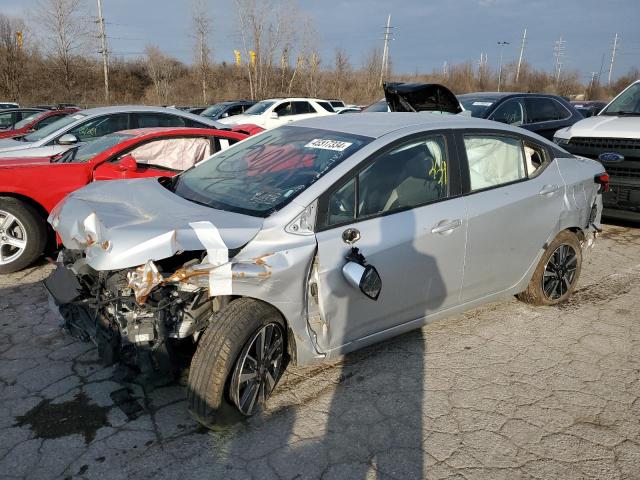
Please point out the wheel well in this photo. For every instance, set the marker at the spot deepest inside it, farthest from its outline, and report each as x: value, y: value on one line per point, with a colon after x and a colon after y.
x: 578, y: 232
x: 290, y: 340
x: 42, y: 212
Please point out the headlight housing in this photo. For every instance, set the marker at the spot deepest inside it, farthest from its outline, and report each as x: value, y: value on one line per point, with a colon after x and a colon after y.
x: 560, y: 141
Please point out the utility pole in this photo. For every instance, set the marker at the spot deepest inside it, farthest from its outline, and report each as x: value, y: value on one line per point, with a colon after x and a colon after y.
x: 524, y: 39
x: 445, y: 70
x: 558, y: 53
x: 613, y: 56
x: 385, y: 51
x: 105, y: 58
x: 501, y: 46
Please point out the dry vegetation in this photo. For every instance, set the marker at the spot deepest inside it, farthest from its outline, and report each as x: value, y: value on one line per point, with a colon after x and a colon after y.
x: 57, y: 67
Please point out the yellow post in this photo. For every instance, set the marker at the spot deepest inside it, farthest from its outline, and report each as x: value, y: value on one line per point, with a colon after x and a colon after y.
x: 19, y: 39
x: 238, y: 56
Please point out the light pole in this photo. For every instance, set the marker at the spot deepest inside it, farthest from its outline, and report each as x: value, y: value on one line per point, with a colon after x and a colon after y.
x: 501, y: 46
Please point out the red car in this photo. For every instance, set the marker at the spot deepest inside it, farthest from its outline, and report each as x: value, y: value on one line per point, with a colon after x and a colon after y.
x: 31, y: 187
x: 36, y: 121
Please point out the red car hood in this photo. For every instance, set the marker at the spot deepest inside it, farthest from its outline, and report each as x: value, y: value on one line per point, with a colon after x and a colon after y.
x: 24, y: 162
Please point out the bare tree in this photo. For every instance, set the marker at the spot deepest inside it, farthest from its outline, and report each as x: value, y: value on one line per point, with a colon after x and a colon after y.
x: 266, y: 28
x: 341, y: 72
x: 371, y: 71
x: 162, y: 70
x: 11, y: 56
x: 202, y: 29
x: 65, y: 26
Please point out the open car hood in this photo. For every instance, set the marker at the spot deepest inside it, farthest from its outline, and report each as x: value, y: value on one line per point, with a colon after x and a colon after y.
x: 421, y: 97
x: 125, y: 223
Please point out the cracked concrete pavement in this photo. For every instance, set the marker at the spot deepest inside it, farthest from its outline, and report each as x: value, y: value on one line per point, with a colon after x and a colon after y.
x: 505, y: 391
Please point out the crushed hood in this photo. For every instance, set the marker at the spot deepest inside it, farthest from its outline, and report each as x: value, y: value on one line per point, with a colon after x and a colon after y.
x: 606, y: 126
x: 421, y: 97
x: 123, y: 224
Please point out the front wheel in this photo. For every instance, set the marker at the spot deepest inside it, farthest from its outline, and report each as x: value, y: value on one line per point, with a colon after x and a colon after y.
x: 557, y: 272
x: 23, y: 235
x: 239, y: 361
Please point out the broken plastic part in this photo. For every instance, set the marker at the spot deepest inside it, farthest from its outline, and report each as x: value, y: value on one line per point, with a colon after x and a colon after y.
x: 143, y: 280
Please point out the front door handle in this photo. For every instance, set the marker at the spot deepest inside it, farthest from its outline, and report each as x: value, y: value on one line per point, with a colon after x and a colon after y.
x: 548, y: 190
x: 445, y: 226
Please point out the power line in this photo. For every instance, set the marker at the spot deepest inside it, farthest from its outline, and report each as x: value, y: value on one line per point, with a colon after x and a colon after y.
x: 524, y: 40
x: 613, y: 56
x: 105, y: 54
x: 558, y: 53
x: 384, y: 70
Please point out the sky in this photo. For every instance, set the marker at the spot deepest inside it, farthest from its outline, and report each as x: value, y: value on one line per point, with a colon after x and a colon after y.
x: 426, y: 32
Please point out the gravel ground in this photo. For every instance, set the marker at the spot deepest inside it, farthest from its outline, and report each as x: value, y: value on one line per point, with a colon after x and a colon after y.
x: 505, y: 391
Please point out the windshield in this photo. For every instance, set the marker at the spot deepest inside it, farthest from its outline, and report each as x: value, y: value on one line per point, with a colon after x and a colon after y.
x: 87, y: 151
x: 477, y: 106
x: 213, y: 110
x: 259, y: 108
x: 25, y: 121
x: 627, y: 103
x: 51, y: 128
x: 380, y: 106
x: 262, y: 174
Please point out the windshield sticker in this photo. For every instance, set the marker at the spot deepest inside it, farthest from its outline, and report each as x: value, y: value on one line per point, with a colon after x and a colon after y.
x: 322, y: 144
x: 482, y: 104
x: 266, y: 197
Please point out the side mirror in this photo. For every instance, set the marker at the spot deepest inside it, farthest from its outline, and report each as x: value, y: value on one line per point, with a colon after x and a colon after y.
x: 274, y: 116
x: 224, y: 115
x: 68, y: 139
x: 128, y: 164
x: 365, y: 278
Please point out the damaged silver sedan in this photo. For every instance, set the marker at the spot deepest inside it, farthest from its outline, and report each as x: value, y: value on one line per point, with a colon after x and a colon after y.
x: 312, y: 240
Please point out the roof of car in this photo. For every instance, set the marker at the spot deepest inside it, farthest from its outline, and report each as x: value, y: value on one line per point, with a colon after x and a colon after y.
x: 293, y: 99
x: 136, y: 108
x: 377, y: 124
x: 496, y: 95
x: 138, y: 132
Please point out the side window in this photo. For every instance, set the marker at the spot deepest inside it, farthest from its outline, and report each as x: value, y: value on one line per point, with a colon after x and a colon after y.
x: 327, y: 106
x: 542, y: 110
x: 412, y: 174
x: 561, y: 110
x: 100, y: 126
x: 6, y: 119
x: 284, y: 109
x: 300, y: 108
x: 510, y: 112
x: 235, y: 110
x: 46, y: 121
x: 534, y: 157
x: 493, y: 160
x: 146, y: 120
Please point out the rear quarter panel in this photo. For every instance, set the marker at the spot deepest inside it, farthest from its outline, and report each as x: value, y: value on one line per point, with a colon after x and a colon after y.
x: 581, y: 190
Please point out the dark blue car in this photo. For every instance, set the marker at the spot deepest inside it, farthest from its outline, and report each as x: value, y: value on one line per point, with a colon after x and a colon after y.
x: 540, y: 113
x: 226, y: 109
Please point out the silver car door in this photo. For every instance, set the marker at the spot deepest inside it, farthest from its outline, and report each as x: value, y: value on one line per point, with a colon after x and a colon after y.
x: 515, y: 199
x: 412, y: 228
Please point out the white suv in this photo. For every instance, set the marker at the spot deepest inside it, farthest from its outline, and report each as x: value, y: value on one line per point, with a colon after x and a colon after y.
x: 613, y: 138
x: 279, y: 111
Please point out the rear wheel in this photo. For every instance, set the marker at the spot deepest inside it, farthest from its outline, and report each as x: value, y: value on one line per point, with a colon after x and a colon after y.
x: 23, y: 235
x: 239, y: 361
x: 557, y: 272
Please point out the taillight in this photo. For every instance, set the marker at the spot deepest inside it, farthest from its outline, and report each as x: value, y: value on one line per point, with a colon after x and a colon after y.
x: 602, y: 179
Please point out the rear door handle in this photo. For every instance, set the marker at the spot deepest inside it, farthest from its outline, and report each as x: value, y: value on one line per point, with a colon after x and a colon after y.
x: 548, y: 190
x: 445, y: 226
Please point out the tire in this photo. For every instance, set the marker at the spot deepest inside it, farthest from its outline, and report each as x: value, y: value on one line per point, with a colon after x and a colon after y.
x: 215, y: 365
x: 561, y: 282
x: 29, y: 226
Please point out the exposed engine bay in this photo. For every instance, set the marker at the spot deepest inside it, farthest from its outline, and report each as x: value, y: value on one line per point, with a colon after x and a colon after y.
x: 148, y: 335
